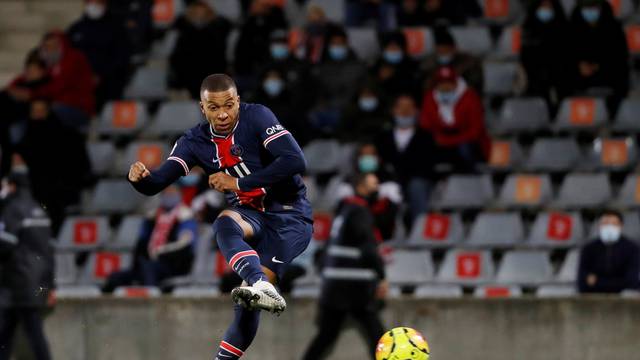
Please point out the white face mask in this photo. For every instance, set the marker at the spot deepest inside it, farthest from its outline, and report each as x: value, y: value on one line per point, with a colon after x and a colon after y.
x: 94, y: 11
x: 610, y: 234
x: 5, y: 191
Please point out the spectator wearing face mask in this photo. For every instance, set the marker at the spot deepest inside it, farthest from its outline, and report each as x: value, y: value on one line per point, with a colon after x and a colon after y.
x: 190, y: 61
x: 448, y: 54
x: 446, y: 12
x: 409, y: 151
x: 395, y: 70
x: 453, y: 113
x: 545, y: 32
x: 166, y: 245
x: 372, y: 13
x: 411, y: 13
x: 102, y: 38
x: 610, y: 263
x: 366, y: 117
x: 598, y: 52
x: 135, y: 17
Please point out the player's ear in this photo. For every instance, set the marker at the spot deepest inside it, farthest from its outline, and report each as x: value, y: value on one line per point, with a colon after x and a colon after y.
x: 202, y: 108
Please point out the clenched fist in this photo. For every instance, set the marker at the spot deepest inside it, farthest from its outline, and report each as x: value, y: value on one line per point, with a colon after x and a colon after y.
x: 223, y: 182
x: 138, y: 172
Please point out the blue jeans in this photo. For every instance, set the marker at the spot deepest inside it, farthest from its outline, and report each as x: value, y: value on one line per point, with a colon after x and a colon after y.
x: 417, y: 193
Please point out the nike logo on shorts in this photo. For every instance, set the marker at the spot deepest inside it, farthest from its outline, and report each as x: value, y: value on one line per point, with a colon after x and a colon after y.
x: 276, y: 260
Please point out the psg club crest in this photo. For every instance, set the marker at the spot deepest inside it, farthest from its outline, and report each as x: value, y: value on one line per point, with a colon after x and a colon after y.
x: 237, y: 150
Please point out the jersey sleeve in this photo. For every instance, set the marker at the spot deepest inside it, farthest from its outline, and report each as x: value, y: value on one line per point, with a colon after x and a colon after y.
x: 268, y: 127
x: 182, y: 154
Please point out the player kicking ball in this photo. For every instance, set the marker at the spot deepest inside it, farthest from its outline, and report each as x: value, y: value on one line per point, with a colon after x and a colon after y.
x: 257, y: 164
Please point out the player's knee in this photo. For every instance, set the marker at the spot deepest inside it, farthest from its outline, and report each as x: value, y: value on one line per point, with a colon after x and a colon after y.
x: 225, y: 225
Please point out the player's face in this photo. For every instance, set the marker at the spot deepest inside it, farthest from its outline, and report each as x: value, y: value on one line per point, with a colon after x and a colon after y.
x: 221, y: 109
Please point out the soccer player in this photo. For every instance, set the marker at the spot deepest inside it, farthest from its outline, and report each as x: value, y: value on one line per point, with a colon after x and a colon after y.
x: 257, y: 163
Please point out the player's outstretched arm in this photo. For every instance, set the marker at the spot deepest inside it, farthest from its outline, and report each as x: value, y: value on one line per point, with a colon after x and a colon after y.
x: 152, y: 182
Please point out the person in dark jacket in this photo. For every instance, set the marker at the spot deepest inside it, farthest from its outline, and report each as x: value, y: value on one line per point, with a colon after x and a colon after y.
x: 544, y: 33
x: 445, y: 12
x: 599, y: 53
x: 611, y: 262
x: 190, y: 61
x: 353, y: 272
x: 165, y: 247
x: 365, y: 117
x: 395, y: 70
x: 26, y: 266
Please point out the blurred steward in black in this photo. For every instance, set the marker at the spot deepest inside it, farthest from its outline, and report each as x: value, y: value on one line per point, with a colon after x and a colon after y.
x: 611, y: 262
x: 190, y: 61
x: 26, y: 266
x: 353, y: 272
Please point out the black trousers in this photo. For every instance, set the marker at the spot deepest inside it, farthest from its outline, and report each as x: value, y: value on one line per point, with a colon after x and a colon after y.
x: 31, y: 321
x: 330, y: 322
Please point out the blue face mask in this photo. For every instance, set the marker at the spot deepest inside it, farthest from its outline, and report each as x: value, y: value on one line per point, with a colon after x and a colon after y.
x: 169, y: 201
x: 545, y: 14
x: 368, y: 103
x: 190, y: 180
x: 368, y: 163
x: 590, y: 14
x: 393, y: 56
x: 338, y: 52
x: 445, y: 59
x: 279, y: 51
x: 405, y: 121
x: 273, y: 87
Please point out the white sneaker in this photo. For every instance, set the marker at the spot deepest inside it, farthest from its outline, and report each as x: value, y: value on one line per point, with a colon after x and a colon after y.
x: 262, y: 295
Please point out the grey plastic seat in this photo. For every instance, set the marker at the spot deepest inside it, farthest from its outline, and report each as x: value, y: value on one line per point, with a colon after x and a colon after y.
x: 164, y: 13
x: 472, y: 39
x: 306, y: 292
x: 420, y: 41
x: 554, y: 155
x: 506, y: 155
x: 122, y: 118
x: 102, y: 155
x: 364, y: 42
x: 231, y: 9
x: 322, y: 156
x: 521, y: 190
x: 148, y: 83
x: 436, y: 230
x: 499, y: 77
x: 127, y: 234
x: 409, y: 267
x: 584, y: 191
x: 232, y: 42
x: 500, y: 12
x: 150, y: 153
x: 438, y: 291
x: 174, y: 117
x: 497, y: 291
x: 568, y: 272
x: 629, y: 194
x: 66, y: 272
x: 626, y: 120
x: 508, y: 46
x: 161, y: 49
x: 114, y: 196
x: 483, y: 231
x: 101, y: 264
x: 467, y: 192
x: 195, y: 292
x: 555, y: 291
x: 613, y: 153
x: 523, y: 115
x: 333, y: 9
x: 82, y: 233
x: 462, y: 266
x: 556, y: 229
x: 525, y: 267
x: 581, y: 114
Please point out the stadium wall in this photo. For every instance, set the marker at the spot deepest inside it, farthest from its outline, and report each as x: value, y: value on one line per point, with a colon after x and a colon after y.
x: 460, y: 329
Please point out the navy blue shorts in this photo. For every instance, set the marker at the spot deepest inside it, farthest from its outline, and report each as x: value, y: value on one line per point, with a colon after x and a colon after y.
x: 278, y: 237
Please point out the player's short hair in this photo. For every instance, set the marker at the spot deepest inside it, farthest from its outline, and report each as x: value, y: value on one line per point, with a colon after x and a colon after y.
x: 217, y: 83
x: 612, y: 212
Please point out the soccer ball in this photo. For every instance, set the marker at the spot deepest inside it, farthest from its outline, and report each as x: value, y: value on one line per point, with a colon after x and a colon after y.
x: 402, y: 343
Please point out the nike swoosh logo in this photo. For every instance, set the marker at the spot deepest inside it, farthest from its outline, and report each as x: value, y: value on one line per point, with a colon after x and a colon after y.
x: 276, y: 260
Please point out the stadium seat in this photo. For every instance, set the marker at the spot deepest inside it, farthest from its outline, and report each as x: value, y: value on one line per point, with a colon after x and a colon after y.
x: 497, y: 291
x: 209, y: 268
x: 147, y: 83
x: 174, y: 117
x: 195, y: 292
x: 586, y: 191
x: 626, y: 120
x: 306, y: 292
x: 500, y: 11
x: 231, y: 9
x: 523, y: 115
x: 163, y: 47
x: 420, y: 41
x: 150, y: 153
x: 629, y: 195
x: 136, y: 292
x: 127, y: 234
x: 554, y: 155
x: 521, y: 190
x: 409, y: 267
x: 82, y: 233
x: 622, y: 9
x: 102, y: 155
x: 506, y: 155
x: 556, y: 229
x: 436, y: 230
x: 632, y: 32
x: 232, y: 41
x: 499, y: 77
x: 364, y: 42
x: 122, y: 118
x: 613, y: 153
x: 322, y: 156
x: 555, y: 291
x: 203, y: 270
x: 114, y: 196
x: 321, y: 226
x: 581, y: 114
x: 569, y: 270
x: 472, y: 39
x: 509, y: 43
x: 466, y: 267
x: 77, y: 292
x: 164, y: 12
x: 101, y: 264
x: 438, y: 291
x: 466, y: 192
x: 524, y: 267
x: 66, y: 272
x: 333, y: 9
x: 483, y: 231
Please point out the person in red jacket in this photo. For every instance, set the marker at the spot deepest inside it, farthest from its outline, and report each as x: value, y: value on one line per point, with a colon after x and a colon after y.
x: 453, y: 113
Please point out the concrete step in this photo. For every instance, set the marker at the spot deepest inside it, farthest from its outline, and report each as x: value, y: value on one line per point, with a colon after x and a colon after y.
x: 14, y: 7
x: 6, y: 77
x: 11, y: 61
x: 19, y: 41
x: 23, y: 23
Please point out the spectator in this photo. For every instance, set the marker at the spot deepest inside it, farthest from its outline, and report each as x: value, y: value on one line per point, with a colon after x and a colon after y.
x: 101, y: 37
x: 165, y: 247
x: 395, y: 71
x: 599, y: 52
x: 610, y: 263
x: 190, y: 61
x: 135, y: 16
x: 409, y: 151
x: 545, y: 32
x: 26, y: 265
x: 447, y: 54
x: 376, y: 13
x: 411, y: 13
x: 365, y: 117
x: 56, y: 184
x: 453, y: 113
x: 445, y: 12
